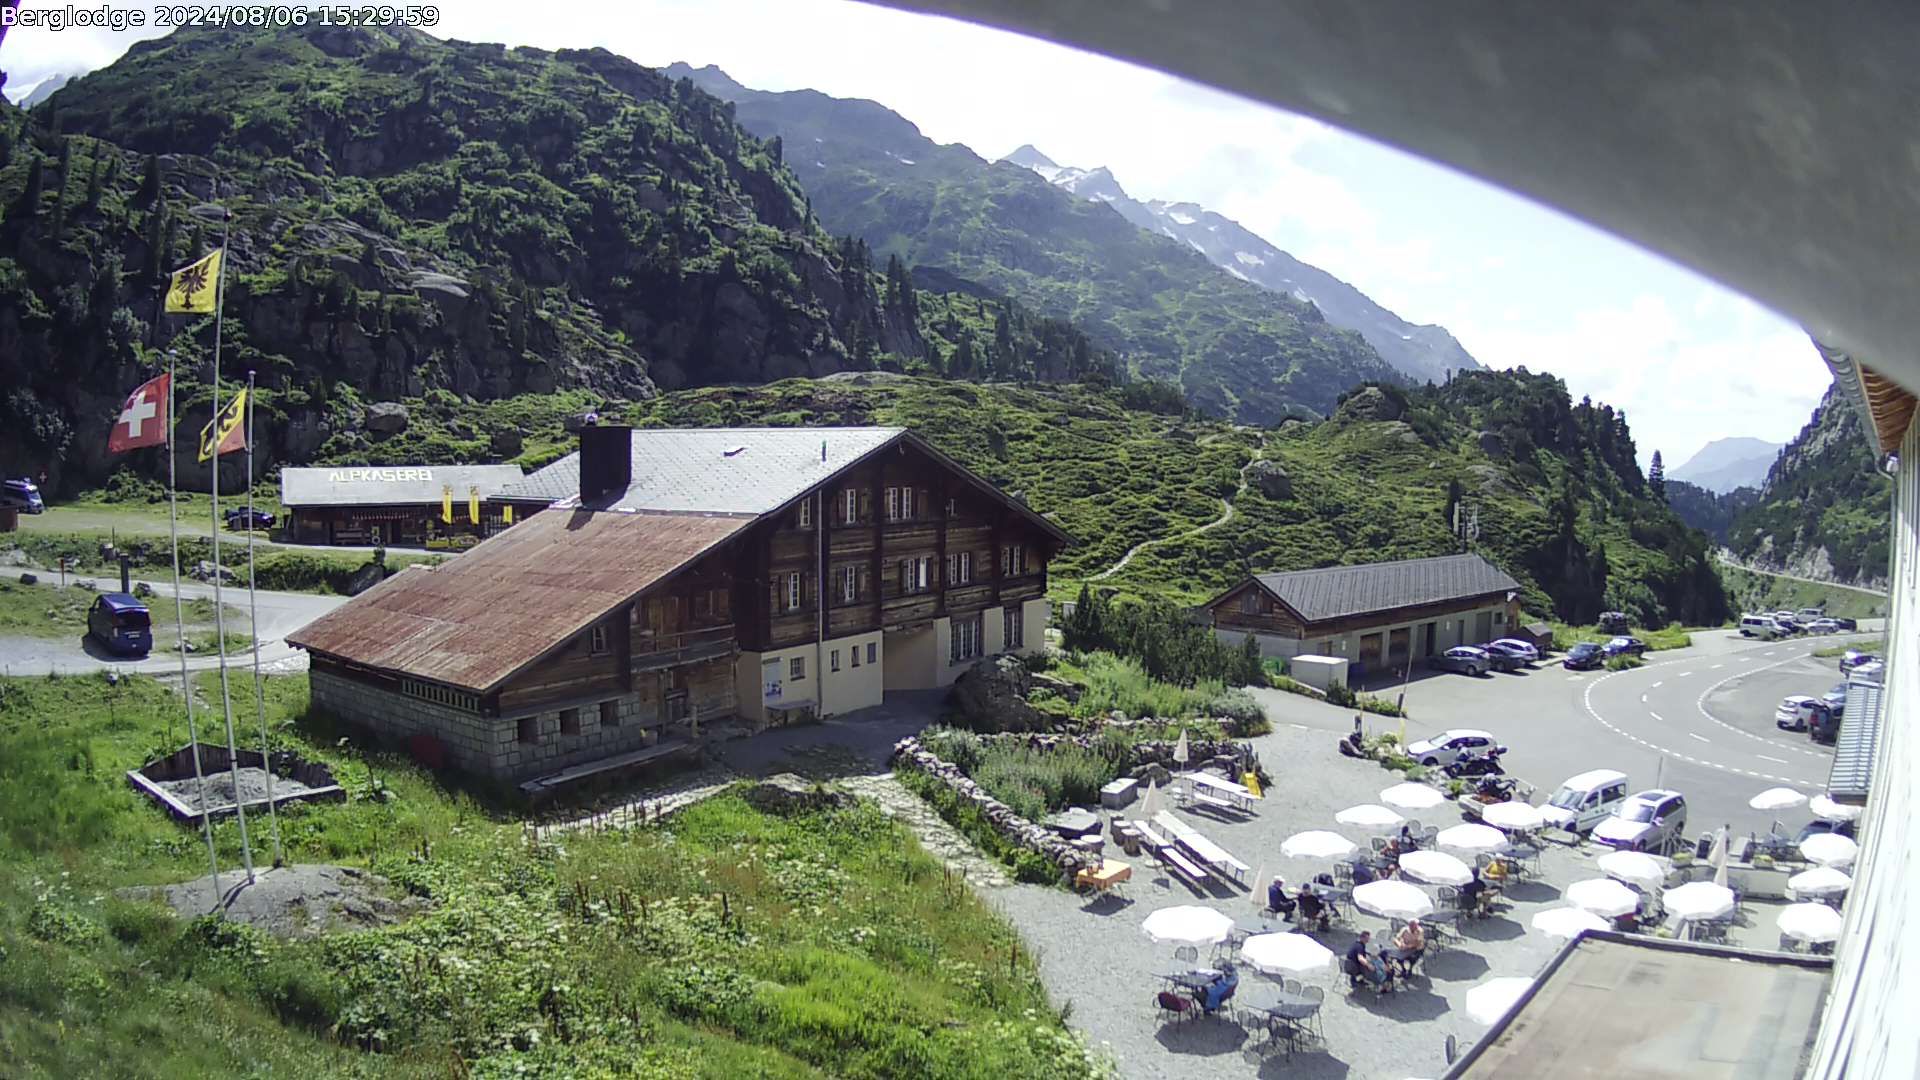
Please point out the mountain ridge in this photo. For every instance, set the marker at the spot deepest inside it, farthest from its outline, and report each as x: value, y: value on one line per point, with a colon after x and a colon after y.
x: 1726, y: 464
x: 1826, y: 507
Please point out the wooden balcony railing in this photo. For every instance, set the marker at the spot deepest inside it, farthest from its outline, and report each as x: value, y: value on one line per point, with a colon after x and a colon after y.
x: 653, y: 651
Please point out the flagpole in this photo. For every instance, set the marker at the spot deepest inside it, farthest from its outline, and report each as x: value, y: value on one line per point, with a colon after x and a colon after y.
x: 180, y: 627
x: 253, y: 619
x: 219, y: 605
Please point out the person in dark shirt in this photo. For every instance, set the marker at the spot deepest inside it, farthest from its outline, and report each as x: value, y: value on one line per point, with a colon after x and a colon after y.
x: 1277, y: 899
x: 1363, y: 873
x: 1312, y: 908
x: 1362, y: 965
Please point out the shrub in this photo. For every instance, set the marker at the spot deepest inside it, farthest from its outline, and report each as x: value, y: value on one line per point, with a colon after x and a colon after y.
x: 1342, y: 695
x: 1028, y: 866
x: 1245, y: 714
x: 960, y: 749
x: 1379, y: 705
x: 1035, y: 782
x: 1624, y: 662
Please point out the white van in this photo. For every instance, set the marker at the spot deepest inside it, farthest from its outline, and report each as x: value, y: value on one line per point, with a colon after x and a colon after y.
x: 1586, y: 800
x: 1760, y: 626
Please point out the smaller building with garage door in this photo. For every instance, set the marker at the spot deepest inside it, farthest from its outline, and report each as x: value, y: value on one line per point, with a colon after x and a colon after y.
x: 1377, y: 616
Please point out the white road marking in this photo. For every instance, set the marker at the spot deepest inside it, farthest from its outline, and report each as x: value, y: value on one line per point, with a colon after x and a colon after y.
x: 1775, y: 760
x: 1587, y: 701
x: 1656, y: 686
x: 1302, y: 727
x: 1716, y: 667
x: 1702, y: 738
x: 1656, y: 716
x: 1643, y: 699
x: 1701, y: 704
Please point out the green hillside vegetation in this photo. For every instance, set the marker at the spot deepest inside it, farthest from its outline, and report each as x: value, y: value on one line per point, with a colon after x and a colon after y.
x: 727, y: 943
x: 1765, y: 592
x: 1826, y: 507
x: 1236, y: 349
x: 1710, y: 512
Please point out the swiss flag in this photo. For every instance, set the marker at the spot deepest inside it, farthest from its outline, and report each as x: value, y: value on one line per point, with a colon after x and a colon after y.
x: 143, y: 419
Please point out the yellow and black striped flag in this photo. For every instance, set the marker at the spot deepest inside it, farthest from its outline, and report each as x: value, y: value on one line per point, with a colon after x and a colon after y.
x: 195, y: 287
x: 233, y: 434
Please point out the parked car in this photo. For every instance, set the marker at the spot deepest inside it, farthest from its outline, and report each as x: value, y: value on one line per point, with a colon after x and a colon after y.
x: 1823, y: 626
x: 1503, y: 658
x: 121, y: 624
x: 1845, y: 623
x: 243, y: 519
x: 22, y: 495
x: 1444, y: 748
x: 1582, y: 656
x: 1615, y: 622
x: 1823, y: 724
x: 1810, y: 614
x: 1760, y: 626
x: 1466, y: 659
x: 1836, y: 699
x: 1586, y: 800
x: 1818, y: 826
x: 1795, y: 712
x: 1649, y: 821
x: 1789, y: 622
x: 1854, y: 658
x: 1624, y: 646
x: 1872, y: 671
x: 1525, y: 650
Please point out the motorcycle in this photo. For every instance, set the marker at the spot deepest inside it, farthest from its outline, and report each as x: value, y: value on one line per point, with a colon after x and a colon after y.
x: 1482, y: 764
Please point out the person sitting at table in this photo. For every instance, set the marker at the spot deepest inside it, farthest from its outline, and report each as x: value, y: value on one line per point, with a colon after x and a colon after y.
x: 1496, y: 871
x: 1278, y: 901
x: 1361, y: 965
x: 1474, y: 894
x: 1312, y: 908
x: 1412, y: 943
x: 1220, y: 990
x: 1363, y: 873
x: 1407, y: 840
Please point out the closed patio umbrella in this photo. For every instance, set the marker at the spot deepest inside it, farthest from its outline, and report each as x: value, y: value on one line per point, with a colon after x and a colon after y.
x: 1817, y: 923
x: 1181, y: 754
x: 1829, y: 849
x: 1512, y: 815
x: 1634, y: 868
x: 1412, y: 796
x: 1392, y: 899
x: 1316, y: 844
x: 1819, y: 881
x: 1826, y: 809
x: 1285, y: 954
x: 1777, y: 798
x: 1151, y: 802
x: 1472, y: 838
x: 1369, y: 816
x: 1567, y: 922
x: 1188, y: 924
x: 1699, y: 900
x: 1437, y: 867
x: 1603, y: 896
x: 1492, y: 999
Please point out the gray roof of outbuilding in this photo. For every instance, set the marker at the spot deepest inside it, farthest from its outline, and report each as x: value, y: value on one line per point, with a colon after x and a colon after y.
x: 1339, y: 591
x: 717, y: 470
x: 380, y: 485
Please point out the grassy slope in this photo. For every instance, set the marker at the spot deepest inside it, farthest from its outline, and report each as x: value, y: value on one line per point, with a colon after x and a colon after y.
x: 826, y: 944
x: 1765, y: 592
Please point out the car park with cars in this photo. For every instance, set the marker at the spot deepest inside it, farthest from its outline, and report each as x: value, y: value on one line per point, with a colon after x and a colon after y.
x: 1823, y: 626
x: 1582, y: 656
x: 1446, y: 747
x: 1845, y: 623
x: 1796, y: 712
x: 1525, y: 650
x: 1760, y: 626
x: 1854, y: 658
x: 1466, y: 659
x: 1503, y: 658
x: 1624, y: 646
x: 1649, y: 821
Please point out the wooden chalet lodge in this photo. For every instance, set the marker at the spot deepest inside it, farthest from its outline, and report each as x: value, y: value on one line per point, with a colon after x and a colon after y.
x: 1375, y: 615
x: 404, y: 505
x: 659, y: 577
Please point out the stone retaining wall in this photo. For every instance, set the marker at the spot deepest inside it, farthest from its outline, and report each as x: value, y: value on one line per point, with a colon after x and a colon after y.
x: 1011, y: 826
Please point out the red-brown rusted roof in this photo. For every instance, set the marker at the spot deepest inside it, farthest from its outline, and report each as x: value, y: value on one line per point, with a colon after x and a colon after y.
x: 483, y: 616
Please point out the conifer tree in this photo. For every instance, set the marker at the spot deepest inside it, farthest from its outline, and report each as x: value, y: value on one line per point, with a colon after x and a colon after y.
x: 1657, y: 478
x: 29, y: 203
x: 149, y: 191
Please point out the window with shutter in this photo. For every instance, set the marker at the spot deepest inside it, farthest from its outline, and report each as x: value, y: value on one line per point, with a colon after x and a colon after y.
x: 966, y: 566
x: 806, y: 513
x: 893, y: 504
x: 793, y: 592
x: 852, y: 505
x: 906, y: 503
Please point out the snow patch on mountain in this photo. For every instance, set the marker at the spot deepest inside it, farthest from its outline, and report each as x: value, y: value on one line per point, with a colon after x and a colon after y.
x: 1245, y: 258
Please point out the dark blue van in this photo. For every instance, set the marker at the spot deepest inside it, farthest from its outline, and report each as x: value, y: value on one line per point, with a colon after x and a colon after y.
x: 121, y: 623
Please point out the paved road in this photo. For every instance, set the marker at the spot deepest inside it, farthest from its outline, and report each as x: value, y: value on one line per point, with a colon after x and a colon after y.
x: 281, y: 613
x: 1699, y: 720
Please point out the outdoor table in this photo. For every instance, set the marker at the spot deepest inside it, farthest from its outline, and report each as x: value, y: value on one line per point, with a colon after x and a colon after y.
x: 1225, y: 789
x: 1399, y: 956
x: 1111, y: 872
x: 1197, y: 979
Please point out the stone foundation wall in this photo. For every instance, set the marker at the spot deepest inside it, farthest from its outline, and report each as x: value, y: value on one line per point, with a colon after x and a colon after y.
x: 1015, y: 829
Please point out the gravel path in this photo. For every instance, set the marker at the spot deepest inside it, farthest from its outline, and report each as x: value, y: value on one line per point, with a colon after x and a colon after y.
x: 1226, y: 514
x: 220, y: 788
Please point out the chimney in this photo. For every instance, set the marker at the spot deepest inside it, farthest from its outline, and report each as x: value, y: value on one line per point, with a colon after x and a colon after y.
x: 606, y: 461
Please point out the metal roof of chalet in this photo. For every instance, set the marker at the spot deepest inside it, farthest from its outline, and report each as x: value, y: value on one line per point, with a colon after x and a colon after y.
x: 717, y: 470
x: 476, y: 620
x: 1336, y: 592
x: 375, y: 485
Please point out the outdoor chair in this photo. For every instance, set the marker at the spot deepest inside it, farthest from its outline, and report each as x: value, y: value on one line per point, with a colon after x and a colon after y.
x: 1453, y: 1049
x: 1343, y: 873
x: 1317, y: 997
x: 1291, y: 986
x: 1186, y: 954
x: 1174, y: 1007
x: 1379, y: 844
x: 1430, y: 836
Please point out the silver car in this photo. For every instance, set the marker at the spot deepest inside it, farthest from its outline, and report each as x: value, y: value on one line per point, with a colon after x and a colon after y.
x: 1650, y: 821
x: 1444, y: 748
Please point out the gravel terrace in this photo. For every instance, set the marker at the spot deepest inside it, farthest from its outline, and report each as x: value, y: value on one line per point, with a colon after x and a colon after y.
x: 1094, y: 956
x: 220, y: 787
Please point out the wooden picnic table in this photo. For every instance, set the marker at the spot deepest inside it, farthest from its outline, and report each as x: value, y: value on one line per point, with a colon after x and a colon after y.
x: 1237, y: 794
x: 1110, y: 872
x: 1213, y: 855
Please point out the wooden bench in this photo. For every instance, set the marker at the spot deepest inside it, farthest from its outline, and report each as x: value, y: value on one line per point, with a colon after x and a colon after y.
x: 1172, y: 857
x: 1206, y: 851
x: 1205, y: 799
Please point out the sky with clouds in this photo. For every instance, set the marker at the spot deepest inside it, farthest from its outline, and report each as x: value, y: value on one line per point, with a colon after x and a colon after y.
x: 1517, y: 283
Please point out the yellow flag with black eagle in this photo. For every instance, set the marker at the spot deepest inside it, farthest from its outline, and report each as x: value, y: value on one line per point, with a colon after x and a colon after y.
x: 232, y: 434
x: 195, y: 287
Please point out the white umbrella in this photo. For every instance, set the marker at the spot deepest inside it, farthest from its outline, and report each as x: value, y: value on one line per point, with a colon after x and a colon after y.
x: 1810, y: 922
x: 1819, y: 881
x: 1633, y: 867
x: 1472, y: 838
x: 1187, y: 925
x: 1566, y: 922
x: 1829, y: 849
x: 1777, y: 798
x: 1180, y: 752
x: 1602, y: 896
x: 1512, y: 815
x: 1698, y: 900
x: 1412, y: 796
x: 1437, y: 867
x: 1370, y: 817
x: 1491, y: 1000
x: 1316, y: 844
x: 1150, y: 802
x: 1258, y: 891
x: 1826, y: 809
x: 1285, y: 954
x: 1392, y: 899
x: 1722, y: 849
